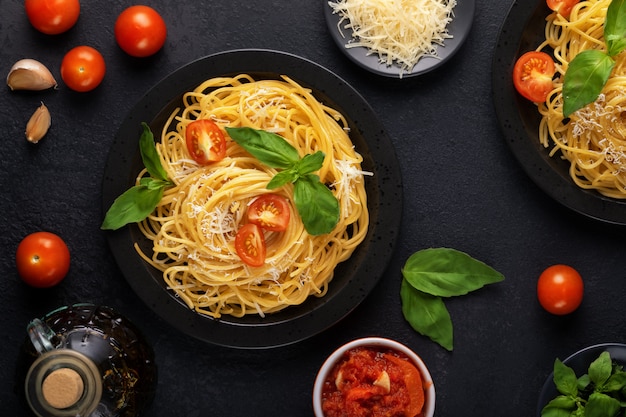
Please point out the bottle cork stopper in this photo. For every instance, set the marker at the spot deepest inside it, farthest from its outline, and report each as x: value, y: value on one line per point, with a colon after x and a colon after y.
x: 62, y: 388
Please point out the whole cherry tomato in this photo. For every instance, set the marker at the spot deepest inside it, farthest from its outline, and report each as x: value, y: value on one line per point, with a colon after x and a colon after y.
x: 42, y: 259
x: 52, y: 16
x: 140, y: 31
x: 560, y: 289
x: 83, y: 68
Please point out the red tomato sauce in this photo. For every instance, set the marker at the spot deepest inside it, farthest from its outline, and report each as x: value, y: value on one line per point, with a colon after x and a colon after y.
x: 358, y: 387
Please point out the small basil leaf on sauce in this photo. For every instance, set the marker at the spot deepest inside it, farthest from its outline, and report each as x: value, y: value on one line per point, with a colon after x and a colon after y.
x: 316, y: 204
x: 267, y: 147
x: 149, y: 154
x: 615, y: 27
x: 447, y: 272
x: 427, y: 314
x: 585, y: 77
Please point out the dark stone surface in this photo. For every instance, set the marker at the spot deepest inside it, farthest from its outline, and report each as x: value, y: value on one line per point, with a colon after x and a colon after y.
x: 462, y: 189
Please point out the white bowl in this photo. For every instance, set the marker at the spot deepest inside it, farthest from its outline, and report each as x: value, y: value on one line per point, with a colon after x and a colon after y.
x: 376, y: 342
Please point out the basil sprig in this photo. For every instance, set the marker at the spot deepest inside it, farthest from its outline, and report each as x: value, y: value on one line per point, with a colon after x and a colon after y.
x: 429, y: 276
x: 599, y: 392
x: 590, y: 70
x: 316, y: 204
x: 136, y: 203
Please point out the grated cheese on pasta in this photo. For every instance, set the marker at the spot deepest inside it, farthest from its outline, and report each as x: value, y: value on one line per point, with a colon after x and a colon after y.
x: 399, y: 31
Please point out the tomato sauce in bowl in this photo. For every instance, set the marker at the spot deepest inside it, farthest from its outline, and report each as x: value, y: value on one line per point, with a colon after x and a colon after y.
x: 373, y: 377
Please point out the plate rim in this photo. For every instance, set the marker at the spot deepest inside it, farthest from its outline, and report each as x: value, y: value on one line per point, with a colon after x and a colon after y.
x: 247, y: 334
x: 461, y: 26
x: 533, y: 158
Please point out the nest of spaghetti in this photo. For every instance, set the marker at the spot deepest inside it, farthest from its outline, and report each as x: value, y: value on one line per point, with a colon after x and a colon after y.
x: 193, y: 228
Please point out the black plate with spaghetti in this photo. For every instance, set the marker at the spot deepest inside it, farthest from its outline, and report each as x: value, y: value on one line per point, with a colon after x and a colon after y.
x: 353, y: 279
x: 459, y: 28
x: 522, y: 31
x: 580, y: 362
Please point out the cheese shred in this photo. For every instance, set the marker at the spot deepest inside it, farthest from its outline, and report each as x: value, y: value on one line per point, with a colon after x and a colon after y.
x: 399, y: 31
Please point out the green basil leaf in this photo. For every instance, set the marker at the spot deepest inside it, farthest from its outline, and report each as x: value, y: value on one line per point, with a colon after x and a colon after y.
x: 149, y: 154
x: 284, y: 177
x: 310, y: 163
x: 615, y: 27
x: 585, y: 77
x: 447, y: 272
x: 154, y: 183
x: 267, y: 147
x: 427, y: 315
x: 134, y: 205
x: 560, y: 406
x: 316, y: 204
x: 601, y: 369
x: 616, y: 382
x: 565, y: 379
x: 601, y: 405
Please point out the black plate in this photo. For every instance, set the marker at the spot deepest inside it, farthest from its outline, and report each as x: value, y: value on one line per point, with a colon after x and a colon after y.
x: 580, y: 362
x: 522, y: 31
x: 459, y: 28
x: 354, y: 279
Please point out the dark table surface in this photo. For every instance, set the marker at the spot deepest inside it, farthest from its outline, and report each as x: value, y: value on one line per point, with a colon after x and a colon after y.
x: 463, y: 189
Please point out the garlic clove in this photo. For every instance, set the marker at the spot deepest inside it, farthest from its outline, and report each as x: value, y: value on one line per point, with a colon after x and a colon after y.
x: 30, y: 74
x: 38, y: 125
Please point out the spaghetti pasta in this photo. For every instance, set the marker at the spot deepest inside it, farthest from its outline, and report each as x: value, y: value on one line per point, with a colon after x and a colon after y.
x: 593, y: 140
x: 193, y: 228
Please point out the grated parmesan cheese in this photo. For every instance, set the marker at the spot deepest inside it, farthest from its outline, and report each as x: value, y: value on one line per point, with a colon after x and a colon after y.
x: 400, y: 31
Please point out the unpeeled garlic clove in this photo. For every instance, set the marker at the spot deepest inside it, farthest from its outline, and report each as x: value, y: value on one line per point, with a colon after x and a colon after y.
x: 38, y: 125
x: 30, y: 74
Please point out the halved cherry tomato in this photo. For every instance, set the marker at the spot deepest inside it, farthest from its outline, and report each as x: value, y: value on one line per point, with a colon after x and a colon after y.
x: 140, y: 31
x: 270, y: 212
x: 83, y: 68
x: 250, y: 245
x: 205, y: 141
x: 52, y: 16
x: 413, y: 382
x: 532, y: 75
x: 42, y: 259
x: 560, y: 289
x: 562, y: 7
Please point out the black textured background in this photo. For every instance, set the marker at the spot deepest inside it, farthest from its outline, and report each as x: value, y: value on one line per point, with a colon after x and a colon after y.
x: 462, y: 189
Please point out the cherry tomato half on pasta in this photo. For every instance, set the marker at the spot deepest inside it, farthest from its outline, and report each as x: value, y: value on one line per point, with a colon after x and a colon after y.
x: 560, y: 289
x: 562, y: 7
x: 83, y: 68
x: 205, y: 141
x: 42, y: 259
x: 140, y: 31
x: 532, y: 75
x: 250, y: 245
x: 52, y: 16
x: 270, y: 212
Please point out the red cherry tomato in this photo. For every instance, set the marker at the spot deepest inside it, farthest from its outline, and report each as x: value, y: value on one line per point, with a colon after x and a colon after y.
x: 270, y: 212
x: 532, y: 75
x: 562, y: 7
x: 140, y: 31
x: 83, y: 68
x: 52, y: 16
x: 560, y: 289
x: 250, y: 245
x: 205, y: 141
x: 42, y: 259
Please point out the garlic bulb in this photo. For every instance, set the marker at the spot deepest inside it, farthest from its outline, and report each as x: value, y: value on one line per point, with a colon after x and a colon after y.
x: 38, y: 125
x: 30, y: 74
